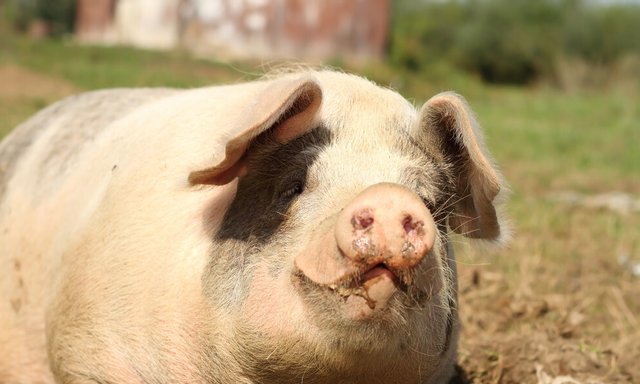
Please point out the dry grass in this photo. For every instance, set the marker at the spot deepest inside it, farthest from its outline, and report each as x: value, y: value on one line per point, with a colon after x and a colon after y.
x: 556, y: 303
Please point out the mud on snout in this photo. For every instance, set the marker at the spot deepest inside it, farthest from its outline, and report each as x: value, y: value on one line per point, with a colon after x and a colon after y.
x: 376, y: 255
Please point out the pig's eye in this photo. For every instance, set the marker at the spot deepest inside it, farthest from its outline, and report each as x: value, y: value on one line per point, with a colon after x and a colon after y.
x: 292, y: 190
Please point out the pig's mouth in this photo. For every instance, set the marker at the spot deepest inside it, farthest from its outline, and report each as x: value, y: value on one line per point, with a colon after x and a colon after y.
x: 361, y: 286
x: 369, y: 293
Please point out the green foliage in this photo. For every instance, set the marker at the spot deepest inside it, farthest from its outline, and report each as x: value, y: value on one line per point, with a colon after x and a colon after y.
x: 421, y: 33
x: 58, y: 14
x: 512, y: 41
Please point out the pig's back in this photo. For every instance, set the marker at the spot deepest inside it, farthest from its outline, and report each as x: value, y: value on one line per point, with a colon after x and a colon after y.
x: 50, y: 141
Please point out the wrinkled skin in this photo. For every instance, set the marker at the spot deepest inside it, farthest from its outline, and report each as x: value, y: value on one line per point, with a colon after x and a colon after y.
x: 289, y: 230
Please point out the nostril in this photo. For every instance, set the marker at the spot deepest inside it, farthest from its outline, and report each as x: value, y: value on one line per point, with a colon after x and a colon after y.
x: 411, y: 227
x: 362, y: 219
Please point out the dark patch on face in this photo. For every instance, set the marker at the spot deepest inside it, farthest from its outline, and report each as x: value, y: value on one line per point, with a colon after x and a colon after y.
x: 80, y: 119
x: 259, y: 209
x: 277, y: 173
x: 255, y: 219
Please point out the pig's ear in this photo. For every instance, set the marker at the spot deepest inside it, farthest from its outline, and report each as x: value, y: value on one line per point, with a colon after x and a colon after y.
x: 286, y: 107
x: 449, y: 128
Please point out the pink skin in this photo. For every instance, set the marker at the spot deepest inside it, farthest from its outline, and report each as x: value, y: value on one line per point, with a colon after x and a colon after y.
x: 384, y: 233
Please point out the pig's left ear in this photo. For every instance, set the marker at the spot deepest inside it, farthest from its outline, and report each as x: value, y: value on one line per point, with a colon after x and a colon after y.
x: 287, y: 107
x: 449, y: 128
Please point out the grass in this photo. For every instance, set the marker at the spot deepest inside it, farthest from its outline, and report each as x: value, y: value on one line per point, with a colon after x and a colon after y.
x: 93, y: 67
x: 586, y: 141
x: 558, y: 285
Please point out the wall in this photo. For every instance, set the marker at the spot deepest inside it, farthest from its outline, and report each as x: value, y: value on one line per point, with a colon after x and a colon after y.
x: 241, y: 28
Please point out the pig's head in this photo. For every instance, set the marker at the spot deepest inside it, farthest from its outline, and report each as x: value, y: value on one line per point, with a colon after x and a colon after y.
x: 333, y: 263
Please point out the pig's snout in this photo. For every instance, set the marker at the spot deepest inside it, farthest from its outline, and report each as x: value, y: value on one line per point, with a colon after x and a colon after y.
x: 385, y: 231
x: 386, y: 224
x: 371, y: 248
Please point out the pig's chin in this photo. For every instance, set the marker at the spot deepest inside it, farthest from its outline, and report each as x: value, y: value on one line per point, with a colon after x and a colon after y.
x: 368, y: 296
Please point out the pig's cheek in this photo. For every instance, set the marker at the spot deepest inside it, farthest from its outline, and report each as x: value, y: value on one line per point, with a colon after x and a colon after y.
x: 274, y: 307
x: 431, y: 276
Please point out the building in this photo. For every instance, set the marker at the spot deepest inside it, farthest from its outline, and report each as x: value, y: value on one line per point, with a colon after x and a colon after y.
x: 303, y: 29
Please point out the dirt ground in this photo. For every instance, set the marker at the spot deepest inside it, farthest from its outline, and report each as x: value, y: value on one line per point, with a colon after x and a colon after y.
x: 510, y: 338
x: 23, y: 92
x: 512, y: 330
x: 21, y: 83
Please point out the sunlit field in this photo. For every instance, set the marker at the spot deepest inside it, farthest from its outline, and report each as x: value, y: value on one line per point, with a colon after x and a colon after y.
x: 563, y: 298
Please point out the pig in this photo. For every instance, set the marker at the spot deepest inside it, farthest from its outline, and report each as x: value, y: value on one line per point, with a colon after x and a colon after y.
x: 293, y: 229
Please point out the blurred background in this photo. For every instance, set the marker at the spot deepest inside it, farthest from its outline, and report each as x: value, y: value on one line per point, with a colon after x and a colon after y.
x: 555, y: 84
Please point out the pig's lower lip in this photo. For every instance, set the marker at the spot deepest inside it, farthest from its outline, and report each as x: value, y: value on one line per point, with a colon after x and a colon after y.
x: 368, y: 293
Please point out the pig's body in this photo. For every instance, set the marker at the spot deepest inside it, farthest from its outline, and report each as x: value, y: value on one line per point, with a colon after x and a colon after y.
x: 132, y: 253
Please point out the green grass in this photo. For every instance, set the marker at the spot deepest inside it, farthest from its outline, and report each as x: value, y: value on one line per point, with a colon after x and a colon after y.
x: 13, y: 112
x: 587, y: 142
x: 93, y: 67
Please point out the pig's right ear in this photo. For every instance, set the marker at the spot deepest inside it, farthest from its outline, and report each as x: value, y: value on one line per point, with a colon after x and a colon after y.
x: 287, y: 107
x: 448, y: 128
